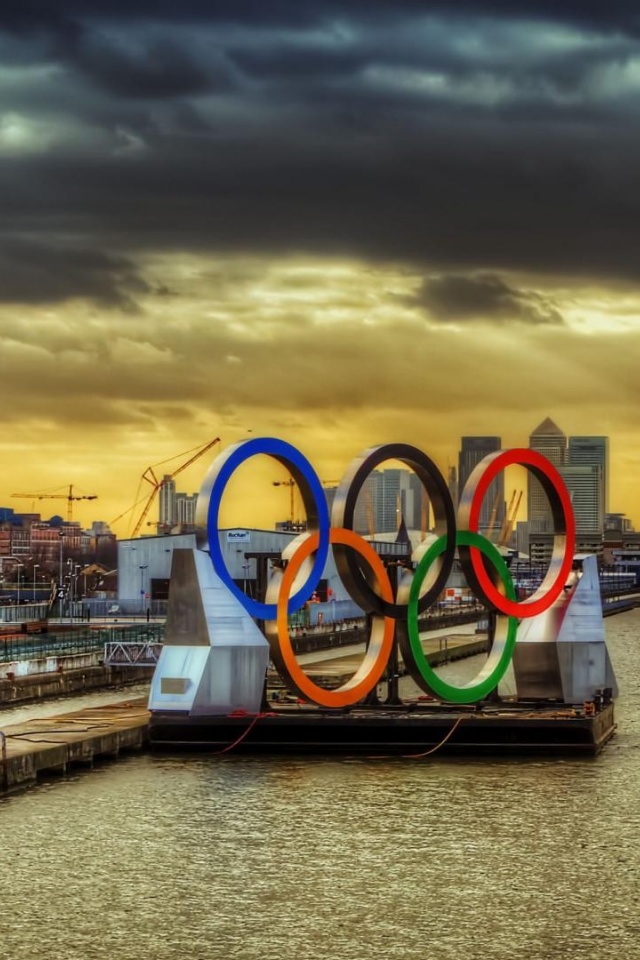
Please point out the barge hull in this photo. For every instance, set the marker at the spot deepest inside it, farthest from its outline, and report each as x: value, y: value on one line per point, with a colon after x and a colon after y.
x: 388, y: 731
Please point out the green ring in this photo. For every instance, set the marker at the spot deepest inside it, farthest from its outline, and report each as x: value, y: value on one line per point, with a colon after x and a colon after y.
x: 500, y: 657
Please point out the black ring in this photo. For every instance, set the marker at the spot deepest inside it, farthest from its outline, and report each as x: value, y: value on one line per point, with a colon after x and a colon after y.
x: 353, y: 576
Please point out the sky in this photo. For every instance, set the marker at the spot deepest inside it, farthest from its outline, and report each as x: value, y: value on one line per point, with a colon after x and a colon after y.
x: 341, y: 224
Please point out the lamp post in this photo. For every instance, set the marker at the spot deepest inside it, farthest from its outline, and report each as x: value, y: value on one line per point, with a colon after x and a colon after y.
x: 142, y: 570
x: 36, y: 566
x: 61, y: 535
x: 19, y: 565
x: 71, y: 586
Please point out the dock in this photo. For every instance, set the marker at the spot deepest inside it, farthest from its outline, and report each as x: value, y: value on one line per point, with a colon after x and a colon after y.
x: 50, y: 746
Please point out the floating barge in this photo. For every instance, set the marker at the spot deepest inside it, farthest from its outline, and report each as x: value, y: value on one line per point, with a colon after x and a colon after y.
x: 413, y: 730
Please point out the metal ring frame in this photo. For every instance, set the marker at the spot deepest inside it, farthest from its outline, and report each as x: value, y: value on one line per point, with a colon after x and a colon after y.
x: 365, y: 577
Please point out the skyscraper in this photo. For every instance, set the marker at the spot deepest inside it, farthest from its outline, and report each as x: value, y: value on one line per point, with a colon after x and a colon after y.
x: 593, y: 452
x: 386, y: 497
x: 549, y: 440
x: 186, y: 508
x: 583, y: 464
x: 167, y: 507
x: 472, y: 451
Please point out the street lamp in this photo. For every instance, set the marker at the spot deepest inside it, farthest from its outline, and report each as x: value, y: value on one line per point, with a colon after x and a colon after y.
x: 142, y: 570
x: 61, y: 535
x: 19, y: 565
x: 70, y: 566
x: 36, y: 566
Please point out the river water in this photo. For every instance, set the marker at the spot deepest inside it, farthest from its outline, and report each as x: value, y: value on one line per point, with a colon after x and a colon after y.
x: 187, y: 858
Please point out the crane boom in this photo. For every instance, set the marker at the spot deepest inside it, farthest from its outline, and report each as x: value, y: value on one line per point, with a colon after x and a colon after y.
x: 494, y: 513
x: 151, y: 478
x: 505, y: 522
x: 69, y: 497
x: 511, y: 520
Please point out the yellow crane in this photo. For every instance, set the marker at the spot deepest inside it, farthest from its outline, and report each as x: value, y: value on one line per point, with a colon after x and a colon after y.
x: 510, y: 519
x: 505, y: 522
x: 494, y: 513
x: 150, y: 477
x: 69, y: 497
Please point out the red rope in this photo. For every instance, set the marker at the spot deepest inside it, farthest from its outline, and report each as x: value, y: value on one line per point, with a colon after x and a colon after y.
x: 246, y: 732
x: 418, y: 756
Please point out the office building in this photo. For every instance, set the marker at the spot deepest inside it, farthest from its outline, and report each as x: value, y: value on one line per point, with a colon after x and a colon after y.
x: 549, y: 440
x: 472, y: 451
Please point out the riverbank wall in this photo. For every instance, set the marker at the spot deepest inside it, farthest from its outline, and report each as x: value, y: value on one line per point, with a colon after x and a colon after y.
x: 63, y: 676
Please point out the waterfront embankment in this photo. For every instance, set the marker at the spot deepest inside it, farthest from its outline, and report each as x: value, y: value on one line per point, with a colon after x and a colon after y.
x: 50, y: 745
x: 66, y: 676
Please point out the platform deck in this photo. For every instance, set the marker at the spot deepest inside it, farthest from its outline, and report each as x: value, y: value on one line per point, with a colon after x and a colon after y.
x: 400, y: 730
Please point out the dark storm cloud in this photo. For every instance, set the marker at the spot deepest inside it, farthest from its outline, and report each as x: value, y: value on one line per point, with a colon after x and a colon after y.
x: 160, y: 69
x: 34, y: 273
x: 468, y: 299
x: 22, y: 13
x: 488, y: 139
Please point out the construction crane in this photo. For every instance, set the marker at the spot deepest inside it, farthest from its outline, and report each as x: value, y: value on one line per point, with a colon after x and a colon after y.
x: 291, y: 484
x: 150, y: 477
x: 494, y: 513
x: 510, y: 519
x: 505, y: 523
x: 69, y: 497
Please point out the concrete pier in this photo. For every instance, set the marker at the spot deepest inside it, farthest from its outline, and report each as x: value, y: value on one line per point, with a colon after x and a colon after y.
x: 51, y: 745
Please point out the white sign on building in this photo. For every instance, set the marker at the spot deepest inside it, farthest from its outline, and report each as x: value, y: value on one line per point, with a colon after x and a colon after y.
x: 238, y: 536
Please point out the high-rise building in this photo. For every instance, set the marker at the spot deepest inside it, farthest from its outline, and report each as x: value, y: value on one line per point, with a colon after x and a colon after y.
x: 584, y: 484
x: 388, y: 506
x: 593, y: 452
x: 549, y: 440
x: 175, y: 508
x: 167, y: 509
x: 472, y: 451
x: 386, y: 497
x: 185, y: 511
x: 583, y: 464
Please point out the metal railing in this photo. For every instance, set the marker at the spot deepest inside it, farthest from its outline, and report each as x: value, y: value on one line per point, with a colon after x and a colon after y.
x: 127, y: 654
x: 74, y: 642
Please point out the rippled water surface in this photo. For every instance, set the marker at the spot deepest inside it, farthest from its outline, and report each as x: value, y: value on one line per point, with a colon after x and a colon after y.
x: 183, y: 858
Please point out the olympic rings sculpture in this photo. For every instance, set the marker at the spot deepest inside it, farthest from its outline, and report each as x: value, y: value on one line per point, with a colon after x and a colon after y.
x: 365, y: 576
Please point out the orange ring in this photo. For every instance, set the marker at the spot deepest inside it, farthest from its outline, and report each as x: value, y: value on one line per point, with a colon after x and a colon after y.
x: 382, y: 632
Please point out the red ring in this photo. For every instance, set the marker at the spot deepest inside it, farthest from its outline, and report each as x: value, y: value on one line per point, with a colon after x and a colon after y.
x: 564, y: 539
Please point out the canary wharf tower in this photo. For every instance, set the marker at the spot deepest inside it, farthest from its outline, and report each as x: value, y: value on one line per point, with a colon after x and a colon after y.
x: 583, y: 463
x: 549, y: 440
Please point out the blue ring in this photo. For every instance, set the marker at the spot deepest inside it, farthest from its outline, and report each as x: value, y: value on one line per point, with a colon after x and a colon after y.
x: 302, y: 471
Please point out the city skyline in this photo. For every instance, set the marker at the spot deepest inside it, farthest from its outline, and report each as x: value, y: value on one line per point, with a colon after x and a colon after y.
x: 338, y: 224
x: 573, y: 455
